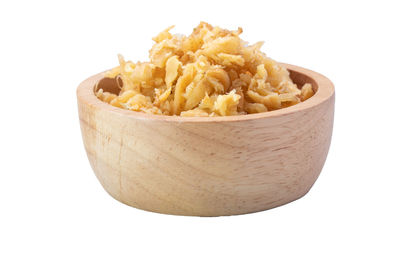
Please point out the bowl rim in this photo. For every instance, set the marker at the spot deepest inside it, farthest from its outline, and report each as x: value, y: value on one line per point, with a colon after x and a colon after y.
x: 325, y: 91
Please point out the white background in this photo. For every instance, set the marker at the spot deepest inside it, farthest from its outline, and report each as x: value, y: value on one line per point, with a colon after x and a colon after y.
x: 54, y: 212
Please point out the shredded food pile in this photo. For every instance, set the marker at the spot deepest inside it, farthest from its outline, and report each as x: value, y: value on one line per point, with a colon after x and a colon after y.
x: 211, y: 72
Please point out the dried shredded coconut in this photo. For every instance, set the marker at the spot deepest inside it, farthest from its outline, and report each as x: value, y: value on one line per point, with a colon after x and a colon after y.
x: 211, y: 72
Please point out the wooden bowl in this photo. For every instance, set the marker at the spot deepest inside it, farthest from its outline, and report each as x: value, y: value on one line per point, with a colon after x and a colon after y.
x: 208, y: 166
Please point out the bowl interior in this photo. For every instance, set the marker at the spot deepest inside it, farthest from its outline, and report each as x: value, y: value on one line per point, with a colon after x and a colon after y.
x: 108, y: 85
x: 300, y: 79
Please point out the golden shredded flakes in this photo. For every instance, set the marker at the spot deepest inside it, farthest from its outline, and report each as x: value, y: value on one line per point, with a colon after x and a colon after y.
x: 211, y: 72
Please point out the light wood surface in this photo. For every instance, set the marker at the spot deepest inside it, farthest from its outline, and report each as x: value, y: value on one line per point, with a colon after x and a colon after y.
x: 208, y: 166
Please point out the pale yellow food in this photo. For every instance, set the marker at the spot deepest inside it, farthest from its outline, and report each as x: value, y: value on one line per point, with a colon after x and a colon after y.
x: 211, y: 72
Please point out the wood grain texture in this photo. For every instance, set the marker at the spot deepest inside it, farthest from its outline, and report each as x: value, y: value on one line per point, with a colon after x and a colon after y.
x: 208, y: 166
